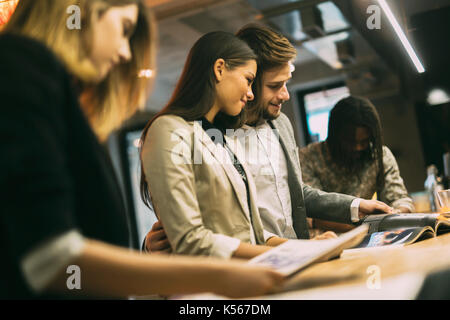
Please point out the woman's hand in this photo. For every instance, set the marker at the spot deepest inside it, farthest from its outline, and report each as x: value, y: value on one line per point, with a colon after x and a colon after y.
x: 156, y: 240
x: 244, y: 280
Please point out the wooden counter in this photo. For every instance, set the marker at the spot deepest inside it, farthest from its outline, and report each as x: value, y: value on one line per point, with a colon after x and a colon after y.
x: 389, y: 273
x: 357, y: 271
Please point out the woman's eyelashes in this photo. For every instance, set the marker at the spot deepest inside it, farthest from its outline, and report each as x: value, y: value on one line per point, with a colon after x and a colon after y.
x: 128, y: 28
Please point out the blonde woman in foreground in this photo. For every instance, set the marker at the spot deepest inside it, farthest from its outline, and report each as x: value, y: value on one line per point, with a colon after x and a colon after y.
x: 62, y: 92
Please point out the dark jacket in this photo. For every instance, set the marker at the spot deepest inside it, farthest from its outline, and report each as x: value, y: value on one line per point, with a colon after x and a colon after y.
x: 54, y: 174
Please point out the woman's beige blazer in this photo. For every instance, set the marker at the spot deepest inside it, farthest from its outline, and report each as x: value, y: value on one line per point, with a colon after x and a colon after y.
x: 196, y: 191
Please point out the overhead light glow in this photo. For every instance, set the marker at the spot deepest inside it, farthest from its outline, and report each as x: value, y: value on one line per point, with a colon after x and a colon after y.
x: 437, y: 96
x: 398, y: 30
x: 7, y: 8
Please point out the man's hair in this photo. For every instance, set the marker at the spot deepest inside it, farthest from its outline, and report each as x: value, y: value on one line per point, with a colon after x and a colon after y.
x: 347, y: 115
x: 273, y: 51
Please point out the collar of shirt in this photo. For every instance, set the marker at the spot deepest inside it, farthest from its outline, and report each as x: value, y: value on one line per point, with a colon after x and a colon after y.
x: 267, y: 162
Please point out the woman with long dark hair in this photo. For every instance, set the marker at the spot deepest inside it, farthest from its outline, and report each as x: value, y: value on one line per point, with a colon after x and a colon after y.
x: 63, y: 226
x: 353, y: 159
x: 192, y: 171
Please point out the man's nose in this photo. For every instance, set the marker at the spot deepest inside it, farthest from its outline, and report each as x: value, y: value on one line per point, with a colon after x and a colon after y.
x: 284, y: 94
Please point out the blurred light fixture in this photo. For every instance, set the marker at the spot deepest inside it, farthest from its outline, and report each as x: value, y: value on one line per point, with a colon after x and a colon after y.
x: 7, y: 8
x: 405, y: 42
x: 137, y: 143
x: 312, y: 22
x: 333, y: 19
x: 437, y: 96
x: 345, y: 51
x: 325, y: 48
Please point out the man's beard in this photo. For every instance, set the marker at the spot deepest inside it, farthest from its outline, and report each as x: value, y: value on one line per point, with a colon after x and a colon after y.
x: 257, y: 115
x: 269, y: 116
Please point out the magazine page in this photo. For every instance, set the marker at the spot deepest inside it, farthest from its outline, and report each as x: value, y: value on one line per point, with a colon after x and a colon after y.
x: 401, y: 236
x: 443, y: 224
x: 295, y: 255
x: 385, y: 222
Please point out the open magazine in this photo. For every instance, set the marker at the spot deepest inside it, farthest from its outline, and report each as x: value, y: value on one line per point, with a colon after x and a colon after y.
x: 403, y: 229
x: 295, y: 255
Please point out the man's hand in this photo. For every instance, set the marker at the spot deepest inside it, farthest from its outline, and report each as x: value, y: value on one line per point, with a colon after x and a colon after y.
x: 325, y: 236
x: 367, y: 207
x: 156, y: 240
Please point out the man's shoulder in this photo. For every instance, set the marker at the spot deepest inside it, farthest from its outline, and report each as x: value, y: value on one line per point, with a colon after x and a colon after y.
x: 284, y: 125
x: 283, y: 119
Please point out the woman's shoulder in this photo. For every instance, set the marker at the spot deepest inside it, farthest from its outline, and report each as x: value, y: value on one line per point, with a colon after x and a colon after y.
x: 21, y: 52
x: 168, y: 126
x: 31, y: 77
x: 166, y: 131
x: 28, y: 66
x: 170, y: 121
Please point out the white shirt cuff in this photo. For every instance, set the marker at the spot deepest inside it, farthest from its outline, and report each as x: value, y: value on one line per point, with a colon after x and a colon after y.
x: 224, y: 246
x: 41, y: 265
x: 354, y: 209
x: 268, y: 235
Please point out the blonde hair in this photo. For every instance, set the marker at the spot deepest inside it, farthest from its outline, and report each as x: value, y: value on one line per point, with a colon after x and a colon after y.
x: 109, y: 102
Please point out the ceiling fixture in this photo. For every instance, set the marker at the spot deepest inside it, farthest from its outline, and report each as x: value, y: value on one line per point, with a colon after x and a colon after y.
x: 437, y: 97
x: 398, y: 30
x: 312, y: 22
x: 6, y: 10
x: 325, y: 49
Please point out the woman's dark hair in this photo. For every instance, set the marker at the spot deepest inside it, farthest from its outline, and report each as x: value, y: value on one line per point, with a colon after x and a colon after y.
x: 195, y: 91
x: 347, y: 115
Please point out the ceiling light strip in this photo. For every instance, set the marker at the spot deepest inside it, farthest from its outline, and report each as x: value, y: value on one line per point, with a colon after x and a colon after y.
x: 412, y: 54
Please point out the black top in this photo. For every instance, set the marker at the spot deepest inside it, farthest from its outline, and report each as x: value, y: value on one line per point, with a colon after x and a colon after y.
x: 211, y: 129
x: 54, y: 174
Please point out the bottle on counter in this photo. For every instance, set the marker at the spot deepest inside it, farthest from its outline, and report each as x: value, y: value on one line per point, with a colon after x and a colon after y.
x: 446, y: 179
x: 433, y: 184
